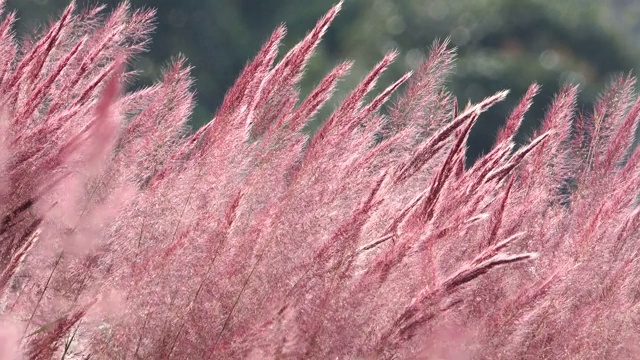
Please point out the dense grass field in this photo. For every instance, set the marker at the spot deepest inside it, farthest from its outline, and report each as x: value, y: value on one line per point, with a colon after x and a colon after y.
x: 124, y: 235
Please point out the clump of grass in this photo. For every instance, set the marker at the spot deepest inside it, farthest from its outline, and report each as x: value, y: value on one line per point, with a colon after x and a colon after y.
x: 124, y: 235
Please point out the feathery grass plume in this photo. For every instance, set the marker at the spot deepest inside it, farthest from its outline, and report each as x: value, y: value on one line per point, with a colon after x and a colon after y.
x: 123, y: 235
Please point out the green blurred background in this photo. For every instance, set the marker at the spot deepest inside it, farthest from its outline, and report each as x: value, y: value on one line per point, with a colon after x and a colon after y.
x: 501, y: 43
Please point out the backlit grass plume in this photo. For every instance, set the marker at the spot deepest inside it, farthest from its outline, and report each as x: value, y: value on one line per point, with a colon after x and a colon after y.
x: 125, y: 236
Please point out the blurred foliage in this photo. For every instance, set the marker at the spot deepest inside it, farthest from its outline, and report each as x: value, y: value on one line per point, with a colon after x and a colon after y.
x: 502, y: 44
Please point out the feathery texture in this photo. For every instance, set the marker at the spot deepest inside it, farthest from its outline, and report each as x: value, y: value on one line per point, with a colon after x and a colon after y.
x: 123, y: 235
